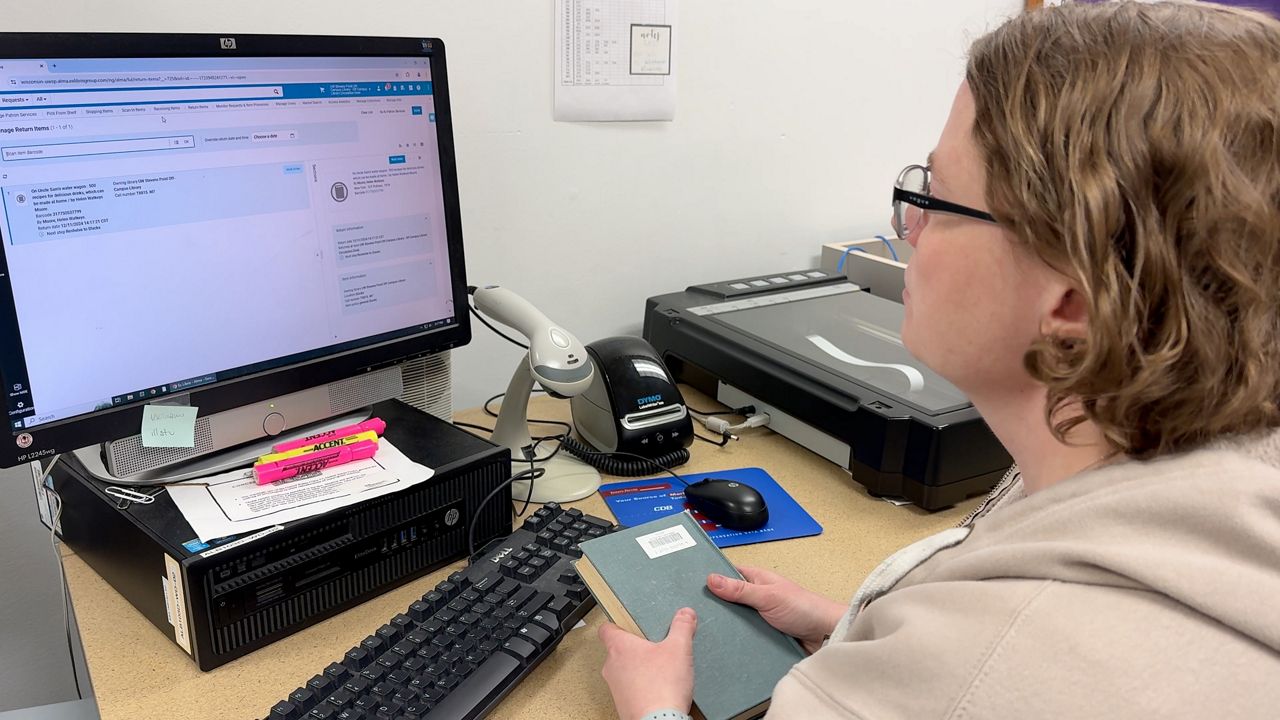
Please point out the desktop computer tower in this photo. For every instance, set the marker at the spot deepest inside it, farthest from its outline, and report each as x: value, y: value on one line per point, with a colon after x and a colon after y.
x: 224, y: 601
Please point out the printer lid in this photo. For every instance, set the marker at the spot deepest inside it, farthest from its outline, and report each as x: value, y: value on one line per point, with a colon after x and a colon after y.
x: 844, y: 331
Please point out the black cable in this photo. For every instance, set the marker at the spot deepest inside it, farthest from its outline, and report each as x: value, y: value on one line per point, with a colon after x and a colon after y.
x: 724, y: 439
x: 471, y: 529
x: 493, y: 414
x: 533, y: 458
x: 611, y: 464
x: 500, y: 334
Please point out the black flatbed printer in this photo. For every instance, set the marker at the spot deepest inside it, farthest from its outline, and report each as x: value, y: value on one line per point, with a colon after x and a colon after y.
x: 826, y: 360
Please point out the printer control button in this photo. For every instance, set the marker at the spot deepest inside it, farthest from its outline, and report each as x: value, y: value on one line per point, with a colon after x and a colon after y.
x: 559, y: 338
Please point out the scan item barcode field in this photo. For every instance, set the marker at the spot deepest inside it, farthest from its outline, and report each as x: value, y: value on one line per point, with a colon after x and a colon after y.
x: 665, y: 542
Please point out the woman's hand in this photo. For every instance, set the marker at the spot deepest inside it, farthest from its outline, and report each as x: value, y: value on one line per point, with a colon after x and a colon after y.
x: 645, y: 676
x: 800, y: 613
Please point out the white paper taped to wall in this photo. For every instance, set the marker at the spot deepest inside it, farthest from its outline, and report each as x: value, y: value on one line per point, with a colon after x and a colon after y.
x: 615, y: 60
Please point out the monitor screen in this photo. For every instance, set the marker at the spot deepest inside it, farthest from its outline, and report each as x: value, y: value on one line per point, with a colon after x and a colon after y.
x: 173, y: 224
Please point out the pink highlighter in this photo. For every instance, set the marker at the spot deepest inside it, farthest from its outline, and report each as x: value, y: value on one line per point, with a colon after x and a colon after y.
x: 272, y: 472
x: 374, y: 424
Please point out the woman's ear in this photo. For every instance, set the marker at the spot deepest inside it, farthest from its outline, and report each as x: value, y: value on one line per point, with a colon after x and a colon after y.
x: 1067, y: 315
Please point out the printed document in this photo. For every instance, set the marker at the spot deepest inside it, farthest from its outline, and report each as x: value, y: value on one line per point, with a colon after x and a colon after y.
x: 234, y: 502
x: 615, y: 60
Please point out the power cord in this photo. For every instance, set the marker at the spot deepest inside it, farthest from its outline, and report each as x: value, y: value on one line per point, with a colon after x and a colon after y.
x: 500, y: 334
x: 531, y: 474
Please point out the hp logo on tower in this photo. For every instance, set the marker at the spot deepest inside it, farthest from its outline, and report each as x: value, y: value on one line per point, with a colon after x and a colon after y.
x: 227, y: 43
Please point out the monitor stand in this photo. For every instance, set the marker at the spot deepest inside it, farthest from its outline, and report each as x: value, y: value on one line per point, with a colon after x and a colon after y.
x: 205, y: 465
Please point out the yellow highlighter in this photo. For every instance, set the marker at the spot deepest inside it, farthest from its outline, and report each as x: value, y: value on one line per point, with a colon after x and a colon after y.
x: 325, y: 445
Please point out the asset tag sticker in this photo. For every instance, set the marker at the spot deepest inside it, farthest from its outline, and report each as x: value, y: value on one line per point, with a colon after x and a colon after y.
x: 665, y: 542
x: 178, y: 603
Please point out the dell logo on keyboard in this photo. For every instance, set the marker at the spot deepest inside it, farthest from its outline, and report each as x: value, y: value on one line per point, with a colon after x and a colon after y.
x: 227, y: 43
x: 501, y: 554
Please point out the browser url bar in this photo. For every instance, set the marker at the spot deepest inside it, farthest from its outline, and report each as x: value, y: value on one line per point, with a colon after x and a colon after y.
x: 122, y: 97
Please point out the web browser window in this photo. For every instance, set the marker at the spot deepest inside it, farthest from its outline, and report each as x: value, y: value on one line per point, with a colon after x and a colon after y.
x: 168, y: 223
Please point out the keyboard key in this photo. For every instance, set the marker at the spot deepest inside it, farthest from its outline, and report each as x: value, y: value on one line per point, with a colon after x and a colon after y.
x: 535, y: 604
x: 357, y: 685
x: 323, y: 712
x: 519, y: 649
x: 447, y: 589
x: 341, y: 699
x: 559, y: 605
x: 389, y: 634
x: 534, y: 524
x: 375, y: 645
x: 536, y: 634
x: 597, y: 522
x: 404, y: 623
x: 486, y: 583
x: 548, y: 620
x: 579, y: 592
x: 448, y: 682
x: 357, y: 658
x: 303, y: 698
x: 352, y: 714
x: 284, y: 710
x: 321, y: 685
x: 435, y: 599
x: 337, y: 672
x: 519, y: 598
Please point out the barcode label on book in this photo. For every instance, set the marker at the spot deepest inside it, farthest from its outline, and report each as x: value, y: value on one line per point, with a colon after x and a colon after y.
x: 665, y: 542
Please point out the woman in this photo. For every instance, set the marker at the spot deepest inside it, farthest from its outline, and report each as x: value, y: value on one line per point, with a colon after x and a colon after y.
x: 1097, y: 265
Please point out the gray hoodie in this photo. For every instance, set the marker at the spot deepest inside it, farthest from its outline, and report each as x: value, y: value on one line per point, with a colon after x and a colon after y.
x: 1139, y: 590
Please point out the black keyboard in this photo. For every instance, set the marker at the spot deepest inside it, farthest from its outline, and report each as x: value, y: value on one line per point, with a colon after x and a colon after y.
x: 466, y: 643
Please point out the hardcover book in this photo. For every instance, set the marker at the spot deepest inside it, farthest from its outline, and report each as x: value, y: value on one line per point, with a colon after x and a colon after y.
x: 642, y: 575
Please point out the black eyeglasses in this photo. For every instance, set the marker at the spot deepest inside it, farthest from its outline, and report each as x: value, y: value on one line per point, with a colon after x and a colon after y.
x: 911, y: 200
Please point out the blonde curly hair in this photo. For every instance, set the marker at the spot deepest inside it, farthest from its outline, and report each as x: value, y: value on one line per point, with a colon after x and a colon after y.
x: 1135, y: 147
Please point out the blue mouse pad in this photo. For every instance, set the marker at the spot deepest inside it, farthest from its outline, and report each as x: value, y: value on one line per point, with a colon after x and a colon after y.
x: 635, y: 502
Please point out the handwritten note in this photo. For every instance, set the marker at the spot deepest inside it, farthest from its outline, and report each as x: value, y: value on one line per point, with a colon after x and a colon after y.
x: 650, y: 49
x: 168, y: 426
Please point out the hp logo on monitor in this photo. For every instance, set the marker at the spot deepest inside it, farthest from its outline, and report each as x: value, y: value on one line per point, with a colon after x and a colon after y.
x: 227, y: 43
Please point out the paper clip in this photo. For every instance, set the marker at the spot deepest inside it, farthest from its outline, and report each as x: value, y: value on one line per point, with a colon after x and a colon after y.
x: 127, y: 496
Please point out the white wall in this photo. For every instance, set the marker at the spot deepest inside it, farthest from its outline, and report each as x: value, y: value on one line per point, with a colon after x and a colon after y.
x: 792, y: 120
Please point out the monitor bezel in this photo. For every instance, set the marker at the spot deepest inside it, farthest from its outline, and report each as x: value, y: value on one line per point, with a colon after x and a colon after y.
x: 115, y: 423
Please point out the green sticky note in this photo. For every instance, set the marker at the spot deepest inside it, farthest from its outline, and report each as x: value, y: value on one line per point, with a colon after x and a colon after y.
x: 168, y: 426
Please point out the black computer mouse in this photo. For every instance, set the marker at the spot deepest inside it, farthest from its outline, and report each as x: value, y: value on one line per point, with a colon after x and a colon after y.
x: 728, y: 503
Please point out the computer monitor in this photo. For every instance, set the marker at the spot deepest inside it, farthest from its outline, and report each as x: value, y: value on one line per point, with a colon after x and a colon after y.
x: 252, y: 225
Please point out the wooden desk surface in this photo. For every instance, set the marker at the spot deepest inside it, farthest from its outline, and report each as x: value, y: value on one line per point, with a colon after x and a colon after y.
x: 139, y: 673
